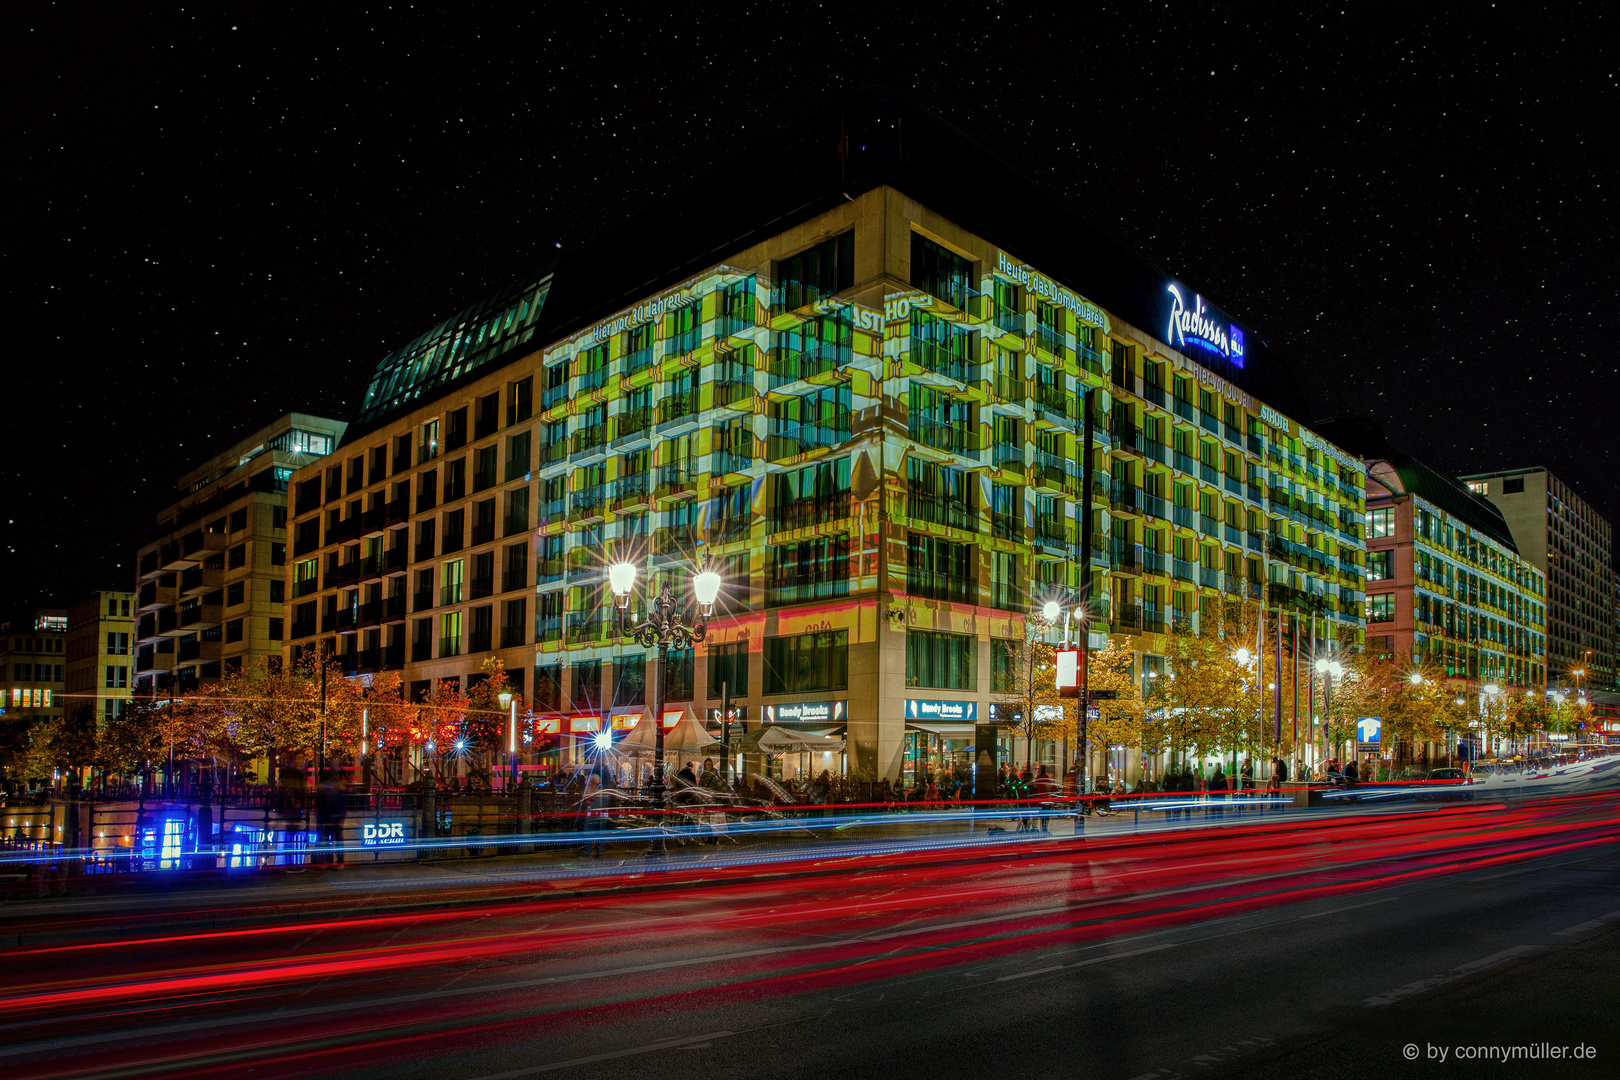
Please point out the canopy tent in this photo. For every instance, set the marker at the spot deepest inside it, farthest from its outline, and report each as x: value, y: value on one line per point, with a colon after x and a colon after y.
x: 642, y: 736
x: 772, y: 739
x: 688, y: 736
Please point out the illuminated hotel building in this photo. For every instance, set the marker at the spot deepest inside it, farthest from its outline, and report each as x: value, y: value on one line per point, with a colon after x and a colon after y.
x: 1573, y: 546
x: 209, y: 587
x: 1445, y: 579
x: 846, y: 372
x: 33, y: 669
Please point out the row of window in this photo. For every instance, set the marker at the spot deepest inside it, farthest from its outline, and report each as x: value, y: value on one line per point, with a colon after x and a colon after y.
x: 37, y: 672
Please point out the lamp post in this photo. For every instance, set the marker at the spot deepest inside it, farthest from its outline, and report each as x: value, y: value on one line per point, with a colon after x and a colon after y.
x: 1329, y: 670
x: 509, y: 702
x: 663, y: 625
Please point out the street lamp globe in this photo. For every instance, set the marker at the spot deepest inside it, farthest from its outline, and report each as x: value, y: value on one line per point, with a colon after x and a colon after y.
x: 1322, y: 665
x: 1051, y: 610
x: 1415, y: 679
x: 504, y: 697
x: 621, y: 579
x: 1492, y: 689
x: 1335, y: 668
x: 1243, y: 656
x: 706, y: 587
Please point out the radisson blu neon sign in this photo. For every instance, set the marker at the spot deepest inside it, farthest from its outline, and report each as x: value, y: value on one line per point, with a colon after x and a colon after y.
x: 1200, y: 326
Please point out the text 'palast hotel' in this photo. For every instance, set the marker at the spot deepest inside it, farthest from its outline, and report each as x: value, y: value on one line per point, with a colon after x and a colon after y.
x: 845, y: 370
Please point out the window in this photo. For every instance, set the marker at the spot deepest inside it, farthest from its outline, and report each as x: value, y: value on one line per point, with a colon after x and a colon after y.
x: 1003, y: 664
x: 630, y: 680
x: 1514, y: 486
x: 450, y: 633
x: 275, y: 630
x: 826, y: 268
x: 484, y: 467
x: 117, y: 644
x: 1380, y: 565
x: 940, y: 272
x: 728, y: 670
x: 427, y: 445
x: 455, y: 479
x: 402, y: 453
x: 941, y: 661
x: 480, y: 629
x: 940, y: 570
x: 278, y: 517
x: 237, y: 556
x: 810, y: 570
x: 234, y: 592
x: 516, y: 574
x: 1381, y: 607
x: 678, y: 675
x: 238, y: 520
x: 1380, y: 523
x: 517, y: 511
x: 519, y: 400
x: 455, y: 532
x: 278, y: 591
x: 488, y: 417
x: 233, y: 630
x: 548, y: 686
x: 117, y: 677
x: 278, y: 554
x: 517, y: 456
x: 515, y: 616
x: 452, y: 587
x: 808, y: 662
x: 483, y: 527
x: 455, y: 429
x: 587, y: 685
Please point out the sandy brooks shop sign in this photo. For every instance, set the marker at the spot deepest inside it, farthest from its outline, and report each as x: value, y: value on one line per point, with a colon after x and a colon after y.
x: 917, y: 709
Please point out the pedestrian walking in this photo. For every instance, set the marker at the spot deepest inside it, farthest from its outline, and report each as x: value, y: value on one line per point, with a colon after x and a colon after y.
x: 594, y: 800
x: 1045, y: 789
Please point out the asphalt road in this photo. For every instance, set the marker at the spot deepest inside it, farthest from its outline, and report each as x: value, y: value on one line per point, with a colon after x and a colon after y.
x: 1273, y: 949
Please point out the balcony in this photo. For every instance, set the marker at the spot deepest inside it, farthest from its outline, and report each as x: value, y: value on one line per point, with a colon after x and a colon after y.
x: 547, y: 629
x: 394, y: 608
x: 1122, y: 497
x: 200, y: 651
x: 681, y: 408
x: 1006, y: 526
x: 1127, y: 438
x: 1182, y: 570
x: 1152, y: 562
x: 302, y: 630
x: 675, y: 540
x: 778, y: 592
x: 726, y: 530
x: 1052, y: 403
x: 585, y: 628
x: 1209, y: 422
x: 1049, y: 339
x: 422, y: 600
x: 1008, y: 455
x: 397, y: 511
x: 731, y: 391
x: 790, y: 440
x: 547, y: 571
x: 420, y: 651
x: 732, y: 461
x: 588, y: 440
x: 199, y: 579
x: 675, y: 480
x: 370, y: 614
x: 479, y: 641
x: 633, y: 424
x: 1008, y: 388
x: 1209, y: 577
x: 940, y: 510
x: 961, y: 438
x: 1209, y: 525
x: 1123, y: 556
x: 1051, y: 471
x: 592, y: 380
x: 587, y: 502
x: 1127, y: 618
x: 1154, y: 393
x: 1234, y: 536
x: 1153, y: 506
x: 1184, y: 409
x: 306, y: 587
x: 941, y: 361
x: 789, y: 367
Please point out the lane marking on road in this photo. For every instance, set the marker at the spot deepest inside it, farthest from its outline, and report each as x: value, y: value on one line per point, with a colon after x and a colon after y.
x: 1590, y: 924
x: 679, y: 1042
x: 1241, y: 1048
x: 1389, y: 997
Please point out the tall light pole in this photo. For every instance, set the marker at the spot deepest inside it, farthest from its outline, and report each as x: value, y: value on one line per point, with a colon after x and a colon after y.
x: 1329, y: 670
x: 662, y: 625
x: 509, y: 702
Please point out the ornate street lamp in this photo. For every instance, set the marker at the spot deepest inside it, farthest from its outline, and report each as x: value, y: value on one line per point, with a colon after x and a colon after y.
x: 663, y: 626
x: 509, y: 702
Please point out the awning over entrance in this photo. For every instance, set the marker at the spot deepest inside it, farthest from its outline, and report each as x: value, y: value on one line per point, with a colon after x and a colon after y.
x: 948, y: 731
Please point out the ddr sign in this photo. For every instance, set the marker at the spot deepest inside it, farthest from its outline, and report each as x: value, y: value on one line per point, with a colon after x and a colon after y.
x: 382, y: 833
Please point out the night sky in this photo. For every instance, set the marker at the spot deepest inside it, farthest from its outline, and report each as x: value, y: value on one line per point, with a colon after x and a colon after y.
x: 219, y: 217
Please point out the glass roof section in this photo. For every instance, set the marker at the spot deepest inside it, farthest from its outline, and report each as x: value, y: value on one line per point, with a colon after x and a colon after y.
x: 462, y: 343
